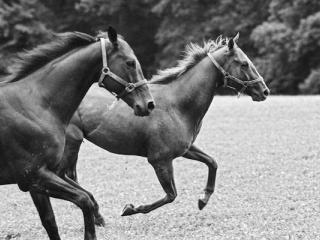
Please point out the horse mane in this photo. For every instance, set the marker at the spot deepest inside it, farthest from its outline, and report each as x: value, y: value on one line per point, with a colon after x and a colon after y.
x: 193, y: 54
x: 29, y: 61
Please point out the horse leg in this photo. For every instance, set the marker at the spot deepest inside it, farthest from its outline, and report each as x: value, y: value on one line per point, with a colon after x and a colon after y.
x: 43, y: 205
x: 194, y: 153
x: 98, y: 219
x: 72, y: 173
x: 54, y: 186
x: 164, y: 171
x: 74, y: 140
x: 70, y: 156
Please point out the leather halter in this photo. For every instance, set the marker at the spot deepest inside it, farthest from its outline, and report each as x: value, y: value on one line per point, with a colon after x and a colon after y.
x: 227, y: 76
x: 128, y: 86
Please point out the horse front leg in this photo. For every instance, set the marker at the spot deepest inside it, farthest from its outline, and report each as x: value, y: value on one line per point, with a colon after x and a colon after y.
x: 98, y: 219
x: 43, y: 205
x: 72, y: 173
x: 164, y: 171
x: 194, y: 153
x: 70, y: 157
x: 47, y: 182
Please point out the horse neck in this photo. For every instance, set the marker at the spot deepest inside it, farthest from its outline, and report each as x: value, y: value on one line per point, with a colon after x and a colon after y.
x: 66, y: 80
x: 194, y: 91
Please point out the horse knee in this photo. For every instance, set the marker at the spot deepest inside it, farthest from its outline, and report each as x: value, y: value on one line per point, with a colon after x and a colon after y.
x: 85, y: 202
x: 49, y: 222
x: 171, y: 197
x: 95, y: 204
x: 72, y: 174
x: 213, y: 164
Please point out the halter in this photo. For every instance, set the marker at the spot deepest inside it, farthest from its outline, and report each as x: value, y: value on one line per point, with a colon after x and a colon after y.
x: 128, y: 86
x: 227, y: 76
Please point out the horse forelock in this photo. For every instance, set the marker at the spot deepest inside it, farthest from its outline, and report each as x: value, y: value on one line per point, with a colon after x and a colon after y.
x: 193, y: 54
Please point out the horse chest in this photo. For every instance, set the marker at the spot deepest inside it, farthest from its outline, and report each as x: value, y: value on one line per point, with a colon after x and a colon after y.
x: 27, y: 144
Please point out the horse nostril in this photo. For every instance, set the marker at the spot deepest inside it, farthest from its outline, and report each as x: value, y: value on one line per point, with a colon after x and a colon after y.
x: 138, y: 108
x: 266, y: 92
x: 151, y: 105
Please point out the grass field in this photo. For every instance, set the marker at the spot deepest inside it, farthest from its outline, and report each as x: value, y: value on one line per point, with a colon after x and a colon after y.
x: 268, y: 183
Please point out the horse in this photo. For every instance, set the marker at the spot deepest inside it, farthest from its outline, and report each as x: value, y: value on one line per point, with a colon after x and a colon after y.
x: 37, y: 102
x: 183, y: 95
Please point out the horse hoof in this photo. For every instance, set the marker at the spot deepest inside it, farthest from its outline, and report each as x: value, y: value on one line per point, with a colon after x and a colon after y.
x: 128, y: 210
x: 201, y: 204
x: 99, y: 221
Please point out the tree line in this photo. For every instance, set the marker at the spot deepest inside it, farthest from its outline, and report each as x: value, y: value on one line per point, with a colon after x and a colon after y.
x: 281, y: 37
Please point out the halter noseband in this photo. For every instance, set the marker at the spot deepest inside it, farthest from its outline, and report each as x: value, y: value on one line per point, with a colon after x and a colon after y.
x: 227, y: 76
x: 128, y: 86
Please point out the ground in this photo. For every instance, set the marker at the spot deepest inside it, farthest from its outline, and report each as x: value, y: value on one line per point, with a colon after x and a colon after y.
x: 268, y: 183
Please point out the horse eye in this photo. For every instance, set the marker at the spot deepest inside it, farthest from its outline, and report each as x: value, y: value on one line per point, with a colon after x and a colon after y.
x: 244, y: 64
x: 131, y: 64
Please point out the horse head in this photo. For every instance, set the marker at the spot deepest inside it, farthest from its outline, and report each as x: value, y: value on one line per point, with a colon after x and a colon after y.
x: 119, y: 56
x: 239, y: 73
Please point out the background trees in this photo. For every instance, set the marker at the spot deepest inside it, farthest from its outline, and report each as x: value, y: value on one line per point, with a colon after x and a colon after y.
x: 282, y: 37
x: 288, y: 44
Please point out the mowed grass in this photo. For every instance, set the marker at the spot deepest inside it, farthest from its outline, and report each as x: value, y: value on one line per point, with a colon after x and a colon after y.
x: 268, y: 182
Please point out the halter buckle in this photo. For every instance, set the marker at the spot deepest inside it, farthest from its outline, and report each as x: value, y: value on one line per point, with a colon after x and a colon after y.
x: 101, y: 84
x: 225, y: 82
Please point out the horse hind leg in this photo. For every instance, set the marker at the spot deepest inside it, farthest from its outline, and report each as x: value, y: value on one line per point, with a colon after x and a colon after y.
x: 164, y: 172
x: 49, y: 183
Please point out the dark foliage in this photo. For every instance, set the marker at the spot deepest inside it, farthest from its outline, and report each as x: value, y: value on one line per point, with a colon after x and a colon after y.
x: 282, y: 37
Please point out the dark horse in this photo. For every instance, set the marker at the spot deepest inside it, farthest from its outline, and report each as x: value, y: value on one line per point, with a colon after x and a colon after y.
x: 183, y: 95
x: 38, y: 101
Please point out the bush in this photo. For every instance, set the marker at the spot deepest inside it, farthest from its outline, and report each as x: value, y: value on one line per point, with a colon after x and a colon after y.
x: 311, y: 84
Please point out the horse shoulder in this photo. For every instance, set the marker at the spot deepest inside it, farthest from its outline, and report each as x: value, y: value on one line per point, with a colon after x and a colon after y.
x: 29, y: 136
x: 169, y: 135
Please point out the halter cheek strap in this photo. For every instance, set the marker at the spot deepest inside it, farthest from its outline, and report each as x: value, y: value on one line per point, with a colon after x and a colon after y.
x: 105, y: 71
x: 228, y: 77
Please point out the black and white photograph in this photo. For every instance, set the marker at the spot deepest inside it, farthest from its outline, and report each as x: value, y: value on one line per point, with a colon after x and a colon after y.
x: 159, y: 120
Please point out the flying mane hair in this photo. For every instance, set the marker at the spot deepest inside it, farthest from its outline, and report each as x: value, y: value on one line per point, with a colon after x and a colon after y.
x: 193, y: 54
x: 29, y: 61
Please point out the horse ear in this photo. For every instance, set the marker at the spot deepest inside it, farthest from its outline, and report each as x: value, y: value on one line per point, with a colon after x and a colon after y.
x: 231, y: 44
x: 235, y: 39
x: 113, y: 36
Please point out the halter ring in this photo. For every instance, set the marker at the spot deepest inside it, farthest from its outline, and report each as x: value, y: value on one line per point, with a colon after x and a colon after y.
x: 105, y: 70
x: 130, y: 87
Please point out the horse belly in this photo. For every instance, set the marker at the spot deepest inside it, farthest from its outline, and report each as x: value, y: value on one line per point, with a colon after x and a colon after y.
x: 170, y: 139
x: 6, y: 177
x: 118, y: 143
